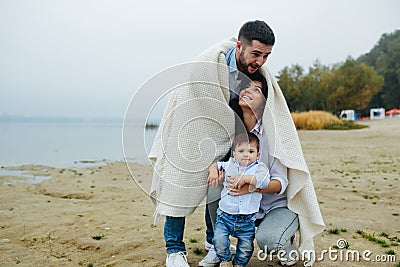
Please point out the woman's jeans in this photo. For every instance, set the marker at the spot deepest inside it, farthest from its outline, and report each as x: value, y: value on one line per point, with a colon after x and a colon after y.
x: 276, y: 229
x: 240, y: 226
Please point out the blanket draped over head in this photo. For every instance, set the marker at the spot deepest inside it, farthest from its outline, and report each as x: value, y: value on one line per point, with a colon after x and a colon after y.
x: 196, y: 130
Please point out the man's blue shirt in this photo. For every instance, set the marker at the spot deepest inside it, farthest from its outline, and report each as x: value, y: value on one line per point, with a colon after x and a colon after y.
x: 233, y: 72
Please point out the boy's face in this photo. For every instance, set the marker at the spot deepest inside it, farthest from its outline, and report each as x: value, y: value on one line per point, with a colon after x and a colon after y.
x: 246, y: 153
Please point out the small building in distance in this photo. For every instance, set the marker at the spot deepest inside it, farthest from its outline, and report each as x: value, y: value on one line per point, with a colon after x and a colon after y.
x: 348, y: 115
x: 377, y: 113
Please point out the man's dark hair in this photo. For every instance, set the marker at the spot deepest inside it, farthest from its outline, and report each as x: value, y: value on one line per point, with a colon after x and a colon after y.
x: 244, y: 138
x: 256, y: 30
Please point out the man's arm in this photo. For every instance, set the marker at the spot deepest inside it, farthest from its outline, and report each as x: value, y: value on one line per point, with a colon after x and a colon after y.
x: 215, y: 176
x: 273, y: 187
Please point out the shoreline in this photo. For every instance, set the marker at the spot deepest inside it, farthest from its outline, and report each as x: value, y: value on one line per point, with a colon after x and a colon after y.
x: 98, y: 215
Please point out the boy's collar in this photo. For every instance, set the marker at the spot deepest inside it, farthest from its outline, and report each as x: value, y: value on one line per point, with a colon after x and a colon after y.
x: 236, y: 163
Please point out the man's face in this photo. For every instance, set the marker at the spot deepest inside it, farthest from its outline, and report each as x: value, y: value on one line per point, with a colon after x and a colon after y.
x: 246, y: 153
x: 249, y: 58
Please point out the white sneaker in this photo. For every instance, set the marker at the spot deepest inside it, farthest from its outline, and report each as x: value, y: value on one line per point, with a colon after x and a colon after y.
x: 207, y: 247
x: 211, y: 259
x: 232, y: 248
x: 290, y: 257
x: 176, y: 260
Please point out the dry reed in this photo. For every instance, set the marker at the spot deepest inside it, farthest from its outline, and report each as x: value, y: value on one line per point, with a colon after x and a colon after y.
x: 315, y: 120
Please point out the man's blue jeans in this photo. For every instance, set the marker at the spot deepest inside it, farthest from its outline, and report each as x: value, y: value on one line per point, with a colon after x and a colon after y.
x: 240, y: 226
x: 173, y: 234
x: 209, y: 227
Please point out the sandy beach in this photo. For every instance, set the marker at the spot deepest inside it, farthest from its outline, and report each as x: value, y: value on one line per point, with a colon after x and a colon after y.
x: 98, y: 216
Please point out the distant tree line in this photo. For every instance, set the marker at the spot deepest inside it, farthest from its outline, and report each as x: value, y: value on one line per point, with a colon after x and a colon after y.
x: 385, y: 59
x: 372, y: 80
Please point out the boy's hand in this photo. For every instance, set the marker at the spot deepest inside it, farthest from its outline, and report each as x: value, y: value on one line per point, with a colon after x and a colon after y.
x: 241, y: 184
x: 237, y: 181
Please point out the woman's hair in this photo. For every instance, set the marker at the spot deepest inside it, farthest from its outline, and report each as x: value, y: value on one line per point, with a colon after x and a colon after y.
x: 257, y: 76
x: 234, y: 102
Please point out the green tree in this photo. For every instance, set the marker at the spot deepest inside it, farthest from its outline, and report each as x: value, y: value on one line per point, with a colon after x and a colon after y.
x: 385, y: 58
x: 318, y: 80
x: 291, y: 82
x: 355, y: 84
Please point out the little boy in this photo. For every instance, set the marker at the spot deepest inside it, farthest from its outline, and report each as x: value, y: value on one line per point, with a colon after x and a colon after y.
x: 236, y: 214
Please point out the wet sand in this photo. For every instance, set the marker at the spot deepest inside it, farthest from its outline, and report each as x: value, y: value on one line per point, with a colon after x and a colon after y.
x: 100, y: 216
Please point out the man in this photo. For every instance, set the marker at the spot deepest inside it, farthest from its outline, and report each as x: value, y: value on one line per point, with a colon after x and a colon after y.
x: 254, y: 45
x: 247, y: 55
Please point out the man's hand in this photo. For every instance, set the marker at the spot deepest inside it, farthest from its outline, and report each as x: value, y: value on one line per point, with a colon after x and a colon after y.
x: 215, y: 177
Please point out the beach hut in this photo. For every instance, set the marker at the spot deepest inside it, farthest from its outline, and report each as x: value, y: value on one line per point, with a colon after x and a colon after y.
x: 348, y: 115
x: 377, y: 113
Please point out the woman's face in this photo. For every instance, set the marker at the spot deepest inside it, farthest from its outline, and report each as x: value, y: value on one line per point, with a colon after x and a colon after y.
x: 252, y: 98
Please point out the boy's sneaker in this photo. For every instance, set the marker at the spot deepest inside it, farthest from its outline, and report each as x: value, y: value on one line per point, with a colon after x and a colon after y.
x: 232, y: 249
x: 290, y: 257
x: 211, y: 259
x: 226, y: 264
x: 176, y: 260
x: 207, y: 247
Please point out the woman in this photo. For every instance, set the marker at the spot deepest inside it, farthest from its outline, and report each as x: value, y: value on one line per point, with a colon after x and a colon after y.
x: 277, y: 225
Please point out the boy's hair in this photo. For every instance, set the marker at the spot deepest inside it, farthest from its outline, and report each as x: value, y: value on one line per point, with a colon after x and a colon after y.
x: 244, y: 138
x: 256, y: 30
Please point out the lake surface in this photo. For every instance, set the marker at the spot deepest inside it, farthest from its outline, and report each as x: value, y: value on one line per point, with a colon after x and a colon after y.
x: 67, y: 144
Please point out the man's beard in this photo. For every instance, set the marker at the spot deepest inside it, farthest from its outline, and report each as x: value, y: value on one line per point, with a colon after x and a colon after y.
x: 241, y: 64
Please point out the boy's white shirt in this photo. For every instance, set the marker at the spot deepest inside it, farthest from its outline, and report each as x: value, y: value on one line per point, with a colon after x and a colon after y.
x: 248, y: 203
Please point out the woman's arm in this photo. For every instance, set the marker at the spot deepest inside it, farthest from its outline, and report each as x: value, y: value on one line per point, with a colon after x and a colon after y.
x: 273, y: 187
x: 277, y: 184
x: 241, y: 180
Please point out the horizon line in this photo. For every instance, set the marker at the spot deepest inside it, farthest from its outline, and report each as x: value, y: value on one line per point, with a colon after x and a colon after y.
x: 18, y: 118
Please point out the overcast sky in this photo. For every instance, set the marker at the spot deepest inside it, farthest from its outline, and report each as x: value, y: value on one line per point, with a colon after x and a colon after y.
x: 80, y: 58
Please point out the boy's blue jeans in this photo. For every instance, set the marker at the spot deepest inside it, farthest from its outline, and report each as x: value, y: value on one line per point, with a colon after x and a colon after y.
x: 237, y: 225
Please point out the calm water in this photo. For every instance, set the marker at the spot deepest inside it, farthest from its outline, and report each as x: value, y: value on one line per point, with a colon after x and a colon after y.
x: 66, y: 144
